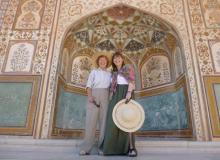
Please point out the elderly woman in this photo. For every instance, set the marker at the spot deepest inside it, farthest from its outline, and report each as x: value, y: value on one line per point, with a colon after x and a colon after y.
x: 98, y: 96
x: 116, y: 141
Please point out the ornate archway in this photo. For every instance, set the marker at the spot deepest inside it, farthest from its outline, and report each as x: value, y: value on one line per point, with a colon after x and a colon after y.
x: 150, y: 45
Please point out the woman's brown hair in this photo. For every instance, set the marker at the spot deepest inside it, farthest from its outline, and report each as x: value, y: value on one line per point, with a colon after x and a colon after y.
x: 117, y: 54
x: 102, y: 56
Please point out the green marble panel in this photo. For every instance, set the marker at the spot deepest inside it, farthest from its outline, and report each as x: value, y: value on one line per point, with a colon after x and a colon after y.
x: 163, y: 112
x: 14, y: 103
x: 217, y: 96
x: 71, y: 110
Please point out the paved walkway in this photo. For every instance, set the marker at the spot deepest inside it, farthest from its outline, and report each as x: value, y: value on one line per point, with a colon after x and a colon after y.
x: 32, y: 149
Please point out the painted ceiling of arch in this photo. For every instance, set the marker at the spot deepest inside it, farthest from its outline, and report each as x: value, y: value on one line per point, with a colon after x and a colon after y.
x: 121, y: 28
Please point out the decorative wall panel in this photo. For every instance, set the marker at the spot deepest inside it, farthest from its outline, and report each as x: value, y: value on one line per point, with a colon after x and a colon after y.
x: 20, y: 56
x: 215, y: 50
x: 81, y: 68
x: 14, y: 103
x: 122, y: 28
x: 216, y: 88
x: 71, y: 109
x: 166, y: 112
x: 155, y: 71
x: 212, y: 85
x: 211, y: 10
x: 18, y: 104
x: 3, y: 7
x: 64, y: 64
x: 29, y: 14
x: 178, y: 61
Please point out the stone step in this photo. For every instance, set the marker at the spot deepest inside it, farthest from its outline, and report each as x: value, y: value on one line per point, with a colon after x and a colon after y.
x: 141, y: 142
x: 25, y: 148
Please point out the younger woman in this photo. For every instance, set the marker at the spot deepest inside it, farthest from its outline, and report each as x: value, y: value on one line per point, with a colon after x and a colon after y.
x: 116, y: 141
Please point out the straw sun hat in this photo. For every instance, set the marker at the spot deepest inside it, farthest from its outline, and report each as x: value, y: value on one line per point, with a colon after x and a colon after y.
x: 128, y: 117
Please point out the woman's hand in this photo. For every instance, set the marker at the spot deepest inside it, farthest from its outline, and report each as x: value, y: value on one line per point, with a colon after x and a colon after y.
x: 91, y: 99
x: 128, y: 95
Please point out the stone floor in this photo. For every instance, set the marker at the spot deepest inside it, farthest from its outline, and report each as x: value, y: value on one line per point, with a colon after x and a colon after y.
x: 23, y: 148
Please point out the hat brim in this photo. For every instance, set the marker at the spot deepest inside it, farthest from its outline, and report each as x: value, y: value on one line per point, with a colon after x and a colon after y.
x: 128, y: 126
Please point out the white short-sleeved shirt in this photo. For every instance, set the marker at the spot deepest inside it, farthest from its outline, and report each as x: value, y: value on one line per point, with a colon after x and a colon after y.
x: 121, y: 80
x: 99, y: 78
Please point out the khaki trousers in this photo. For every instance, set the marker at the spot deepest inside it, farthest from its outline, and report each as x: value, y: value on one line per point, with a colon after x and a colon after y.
x: 94, y: 116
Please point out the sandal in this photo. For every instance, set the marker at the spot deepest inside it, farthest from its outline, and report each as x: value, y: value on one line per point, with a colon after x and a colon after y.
x: 132, y: 152
x: 100, y: 152
x: 83, y: 153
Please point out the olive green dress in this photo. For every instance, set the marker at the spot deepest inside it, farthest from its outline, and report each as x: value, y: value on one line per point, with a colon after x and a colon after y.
x: 116, y: 141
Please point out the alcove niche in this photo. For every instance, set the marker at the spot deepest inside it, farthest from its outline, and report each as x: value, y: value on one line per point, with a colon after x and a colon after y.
x: 150, y: 45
